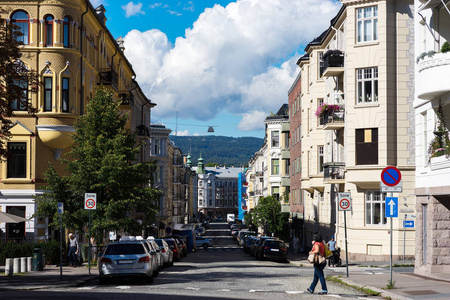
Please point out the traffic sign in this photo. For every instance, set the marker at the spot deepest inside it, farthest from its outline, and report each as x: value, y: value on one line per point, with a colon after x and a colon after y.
x: 90, y: 201
x: 391, y: 207
x: 391, y: 189
x: 391, y: 176
x: 60, y: 208
x: 409, y: 224
x: 345, y: 202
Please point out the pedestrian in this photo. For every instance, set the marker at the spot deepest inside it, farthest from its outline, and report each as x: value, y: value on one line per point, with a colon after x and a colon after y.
x: 73, y: 251
x: 318, y: 247
x: 295, y: 242
x: 332, y: 246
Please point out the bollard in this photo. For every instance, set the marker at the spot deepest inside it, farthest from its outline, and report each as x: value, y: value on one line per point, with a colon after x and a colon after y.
x: 16, y: 268
x: 8, y: 267
x: 23, y: 265
x: 29, y: 263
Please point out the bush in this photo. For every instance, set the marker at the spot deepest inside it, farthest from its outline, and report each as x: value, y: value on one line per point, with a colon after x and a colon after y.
x: 13, y: 250
x: 445, y: 47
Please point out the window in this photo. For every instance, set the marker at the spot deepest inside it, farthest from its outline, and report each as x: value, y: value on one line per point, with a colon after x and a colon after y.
x: 367, y: 24
x: 322, y: 118
x: 65, y: 94
x: 17, y: 160
x: 48, y: 83
x: 320, y: 59
x: 275, y: 138
x: 49, y: 31
x: 287, y: 166
x: 157, y: 147
x: 276, y: 192
x: 367, y: 85
x: 22, y: 21
x: 367, y: 146
x: 425, y: 138
x: 66, y: 32
x: 275, y: 166
x: 320, y: 158
x: 375, y: 208
x: 19, y: 104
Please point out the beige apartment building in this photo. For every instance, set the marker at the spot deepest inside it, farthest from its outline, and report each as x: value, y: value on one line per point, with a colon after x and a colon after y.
x: 68, y: 44
x: 358, y: 118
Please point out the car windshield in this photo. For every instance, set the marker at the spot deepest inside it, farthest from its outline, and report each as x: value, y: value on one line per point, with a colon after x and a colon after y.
x: 275, y: 244
x: 117, y: 249
x: 159, y: 242
x: 171, y: 242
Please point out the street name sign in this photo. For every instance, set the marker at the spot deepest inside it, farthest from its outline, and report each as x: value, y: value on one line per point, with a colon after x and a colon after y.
x: 345, y: 202
x: 90, y: 201
x: 391, y: 207
x: 408, y: 224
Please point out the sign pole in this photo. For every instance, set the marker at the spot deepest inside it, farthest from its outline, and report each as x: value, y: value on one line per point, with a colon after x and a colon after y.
x: 404, y: 239
x: 90, y: 203
x: 60, y: 248
x: 390, y: 264
x: 89, y: 250
x: 346, y: 248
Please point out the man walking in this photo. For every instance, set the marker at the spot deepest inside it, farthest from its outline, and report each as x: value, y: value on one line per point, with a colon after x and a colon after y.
x: 332, y: 246
x: 73, y: 251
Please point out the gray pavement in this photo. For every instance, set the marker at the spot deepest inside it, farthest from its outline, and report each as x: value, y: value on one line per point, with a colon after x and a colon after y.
x: 375, y: 276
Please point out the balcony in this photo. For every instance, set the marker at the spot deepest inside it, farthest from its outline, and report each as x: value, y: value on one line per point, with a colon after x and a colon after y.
x: 285, y: 154
x: 285, y: 127
x: 333, y: 172
x: 259, y: 174
x: 333, y: 63
x: 286, y: 181
x: 142, y: 131
x: 338, y: 98
x: 334, y: 120
x: 108, y: 76
x: 432, y: 79
x: 127, y: 98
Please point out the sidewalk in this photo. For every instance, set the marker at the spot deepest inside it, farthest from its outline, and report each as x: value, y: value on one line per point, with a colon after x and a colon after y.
x: 48, y: 278
x: 375, y: 276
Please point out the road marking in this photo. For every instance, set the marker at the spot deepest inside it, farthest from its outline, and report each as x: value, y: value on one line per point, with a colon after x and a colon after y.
x: 224, y: 290
x: 123, y: 287
x: 258, y: 291
x: 87, y: 288
x: 294, y: 292
x: 192, y: 288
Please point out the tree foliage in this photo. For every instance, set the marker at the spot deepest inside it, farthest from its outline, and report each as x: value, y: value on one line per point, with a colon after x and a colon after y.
x: 15, y: 79
x: 267, y: 214
x: 101, y: 162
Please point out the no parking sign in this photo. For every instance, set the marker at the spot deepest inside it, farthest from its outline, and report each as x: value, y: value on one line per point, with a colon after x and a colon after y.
x: 345, y: 202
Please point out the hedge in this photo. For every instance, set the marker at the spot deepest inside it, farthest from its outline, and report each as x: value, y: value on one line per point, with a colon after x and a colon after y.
x: 13, y: 250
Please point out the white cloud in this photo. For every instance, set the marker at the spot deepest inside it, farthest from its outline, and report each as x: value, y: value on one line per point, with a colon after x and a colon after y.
x: 132, y: 9
x: 183, y: 133
x: 173, y: 12
x: 252, y: 120
x: 155, y: 5
x: 236, y: 59
x: 189, y: 6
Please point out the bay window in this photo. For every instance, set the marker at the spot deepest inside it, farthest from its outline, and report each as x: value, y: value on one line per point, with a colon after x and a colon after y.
x: 367, y: 24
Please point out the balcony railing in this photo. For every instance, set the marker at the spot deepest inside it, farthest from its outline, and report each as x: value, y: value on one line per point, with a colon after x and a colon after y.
x: 127, y: 98
x: 109, y: 77
x: 333, y: 120
x: 333, y: 63
x: 333, y: 171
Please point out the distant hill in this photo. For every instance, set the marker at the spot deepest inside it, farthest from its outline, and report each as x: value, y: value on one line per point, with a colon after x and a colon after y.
x: 221, y: 150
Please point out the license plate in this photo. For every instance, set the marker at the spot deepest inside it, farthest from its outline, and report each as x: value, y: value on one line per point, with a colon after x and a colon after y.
x: 276, y: 250
x: 125, y: 262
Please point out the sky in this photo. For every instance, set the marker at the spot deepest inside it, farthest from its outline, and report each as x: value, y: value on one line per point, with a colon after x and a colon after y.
x: 220, y: 63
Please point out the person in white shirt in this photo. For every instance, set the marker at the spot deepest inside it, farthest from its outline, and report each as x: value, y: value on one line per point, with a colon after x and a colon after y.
x: 73, y: 251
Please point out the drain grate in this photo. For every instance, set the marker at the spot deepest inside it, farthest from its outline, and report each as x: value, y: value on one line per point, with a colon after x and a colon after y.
x: 422, y: 292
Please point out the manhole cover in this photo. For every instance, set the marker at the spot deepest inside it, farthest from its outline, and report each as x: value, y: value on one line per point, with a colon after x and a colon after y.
x: 423, y: 292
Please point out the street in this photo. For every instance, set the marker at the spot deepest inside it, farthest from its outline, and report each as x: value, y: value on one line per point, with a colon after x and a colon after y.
x: 221, y: 272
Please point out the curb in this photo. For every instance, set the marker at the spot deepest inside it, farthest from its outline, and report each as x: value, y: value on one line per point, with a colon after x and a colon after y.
x: 383, y: 293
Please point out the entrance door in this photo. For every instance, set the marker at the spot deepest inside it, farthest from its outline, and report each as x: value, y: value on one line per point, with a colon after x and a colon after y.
x: 16, y: 231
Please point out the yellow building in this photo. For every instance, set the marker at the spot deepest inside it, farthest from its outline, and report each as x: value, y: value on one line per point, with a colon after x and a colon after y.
x: 68, y: 45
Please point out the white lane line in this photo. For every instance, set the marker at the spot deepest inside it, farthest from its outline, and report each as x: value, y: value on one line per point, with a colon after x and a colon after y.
x: 258, y: 291
x: 192, y: 288
x: 294, y: 292
x: 224, y: 290
x: 87, y: 288
x: 123, y: 287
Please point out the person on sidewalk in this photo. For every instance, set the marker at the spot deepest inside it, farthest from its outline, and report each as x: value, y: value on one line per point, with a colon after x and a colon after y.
x: 296, y: 243
x: 318, y: 247
x: 73, y: 251
x: 332, y: 246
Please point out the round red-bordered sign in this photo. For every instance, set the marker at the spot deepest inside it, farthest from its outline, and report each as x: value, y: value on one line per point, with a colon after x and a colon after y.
x: 391, y: 176
x: 344, y: 204
x: 90, y: 203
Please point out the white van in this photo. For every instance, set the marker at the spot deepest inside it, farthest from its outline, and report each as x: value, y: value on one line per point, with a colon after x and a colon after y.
x: 230, y: 218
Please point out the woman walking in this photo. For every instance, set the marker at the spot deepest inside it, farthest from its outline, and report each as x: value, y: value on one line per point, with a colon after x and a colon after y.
x: 318, y: 248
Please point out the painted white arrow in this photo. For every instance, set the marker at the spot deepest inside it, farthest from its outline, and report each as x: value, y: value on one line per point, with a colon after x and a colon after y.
x: 391, y: 205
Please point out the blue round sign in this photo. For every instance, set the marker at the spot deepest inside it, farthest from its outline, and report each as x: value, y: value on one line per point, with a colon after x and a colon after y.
x: 391, y: 176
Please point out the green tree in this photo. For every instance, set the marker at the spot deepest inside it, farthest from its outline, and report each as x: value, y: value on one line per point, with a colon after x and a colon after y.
x: 101, y: 162
x: 15, y: 80
x: 268, y: 215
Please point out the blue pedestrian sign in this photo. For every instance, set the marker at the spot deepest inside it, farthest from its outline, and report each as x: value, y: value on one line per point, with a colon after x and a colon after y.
x: 408, y: 224
x: 391, y: 207
x: 60, y: 208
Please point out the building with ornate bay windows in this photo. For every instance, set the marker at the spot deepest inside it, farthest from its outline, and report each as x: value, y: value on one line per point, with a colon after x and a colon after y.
x: 358, y: 118
x: 68, y: 44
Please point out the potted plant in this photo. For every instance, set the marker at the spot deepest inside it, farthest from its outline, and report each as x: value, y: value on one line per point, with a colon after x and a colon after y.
x: 327, y: 109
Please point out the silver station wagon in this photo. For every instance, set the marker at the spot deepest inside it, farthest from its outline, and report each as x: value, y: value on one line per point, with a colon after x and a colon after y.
x: 126, y: 259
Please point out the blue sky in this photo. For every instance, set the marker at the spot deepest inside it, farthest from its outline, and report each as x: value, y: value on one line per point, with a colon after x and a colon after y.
x: 226, y: 64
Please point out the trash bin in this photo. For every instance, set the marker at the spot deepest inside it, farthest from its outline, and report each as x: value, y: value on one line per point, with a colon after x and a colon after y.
x: 38, y: 260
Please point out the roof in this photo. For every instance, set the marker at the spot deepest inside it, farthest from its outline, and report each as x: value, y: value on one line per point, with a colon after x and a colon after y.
x: 223, y: 172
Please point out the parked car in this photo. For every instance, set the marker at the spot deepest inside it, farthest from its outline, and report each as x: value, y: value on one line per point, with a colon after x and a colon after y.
x: 203, y: 242
x: 242, y: 235
x: 182, y: 244
x: 248, y: 243
x: 235, y: 232
x: 258, y: 244
x: 126, y: 259
x: 252, y: 247
x: 274, y: 250
x: 176, y: 249
x: 155, y: 248
x: 166, y: 253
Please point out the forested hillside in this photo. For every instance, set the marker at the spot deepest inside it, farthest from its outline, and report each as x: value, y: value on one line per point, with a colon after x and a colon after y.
x: 220, y: 150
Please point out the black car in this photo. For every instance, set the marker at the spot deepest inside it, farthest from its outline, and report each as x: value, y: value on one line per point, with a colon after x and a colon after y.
x: 274, y: 250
